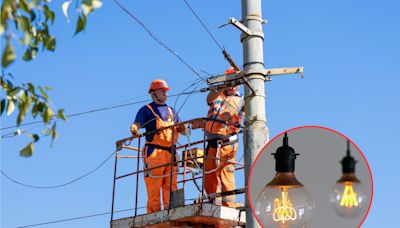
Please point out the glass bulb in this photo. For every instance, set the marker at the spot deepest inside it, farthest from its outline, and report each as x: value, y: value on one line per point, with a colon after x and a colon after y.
x: 349, y: 199
x: 284, y: 206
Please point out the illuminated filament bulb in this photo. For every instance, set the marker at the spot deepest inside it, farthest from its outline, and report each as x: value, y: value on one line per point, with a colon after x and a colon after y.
x: 284, y: 210
x: 349, y: 198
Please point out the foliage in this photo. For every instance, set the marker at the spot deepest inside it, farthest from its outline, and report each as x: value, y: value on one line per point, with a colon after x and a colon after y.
x: 27, y: 23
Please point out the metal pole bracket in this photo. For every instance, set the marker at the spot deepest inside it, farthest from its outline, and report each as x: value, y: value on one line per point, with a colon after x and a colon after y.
x: 247, y: 32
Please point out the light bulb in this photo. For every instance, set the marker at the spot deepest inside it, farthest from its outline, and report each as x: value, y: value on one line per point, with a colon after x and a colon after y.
x: 348, y: 196
x: 284, y: 202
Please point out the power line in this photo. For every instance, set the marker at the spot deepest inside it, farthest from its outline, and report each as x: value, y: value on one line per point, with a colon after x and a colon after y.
x: 98, y: 110
x: 184, y: 91
x: 204, y: 26
x: 152, y: 35
x: 87, y: 216
x: 75, y: 218
x: 187, y: 97
x: 60, y: 185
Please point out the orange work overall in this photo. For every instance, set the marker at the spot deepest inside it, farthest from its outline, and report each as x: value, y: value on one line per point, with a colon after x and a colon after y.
x: 219, y: 175
x: 160, y: 178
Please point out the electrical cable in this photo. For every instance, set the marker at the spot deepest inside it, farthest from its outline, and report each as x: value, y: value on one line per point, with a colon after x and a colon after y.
x: 97, y: 110
x: 88, y: 216
x: 152, y: 35
x: 204, y: 26
x: 60, y: 185
x: 184, y: 91
x: 187, y: 97
x: 75, y: 218
x: 18, y: 132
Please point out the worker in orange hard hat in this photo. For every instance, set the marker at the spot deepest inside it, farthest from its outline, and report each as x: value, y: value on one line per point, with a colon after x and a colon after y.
x: 159, y: 147
x: 222, y: 126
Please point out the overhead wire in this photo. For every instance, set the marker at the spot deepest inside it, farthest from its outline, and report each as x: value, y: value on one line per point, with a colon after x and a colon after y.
x: 60, y: 185
x: 152, y: 35
x: 204, y: 26
x: 98, y: 110
x: 197, y: 82
x: 75, y: 218
x: 89, y: 216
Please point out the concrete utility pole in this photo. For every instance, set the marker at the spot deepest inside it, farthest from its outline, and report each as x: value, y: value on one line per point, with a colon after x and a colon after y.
x: 256, y: 133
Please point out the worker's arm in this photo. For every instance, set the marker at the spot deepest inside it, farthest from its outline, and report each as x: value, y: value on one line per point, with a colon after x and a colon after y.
x: 212, y: 96
x: 198, y: 124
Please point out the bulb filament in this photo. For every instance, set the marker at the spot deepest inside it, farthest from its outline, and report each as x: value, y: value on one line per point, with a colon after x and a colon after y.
x: 284, y: 210
x: 349, y: 198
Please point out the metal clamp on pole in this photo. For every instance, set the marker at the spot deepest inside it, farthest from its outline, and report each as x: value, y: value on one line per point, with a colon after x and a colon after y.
x: 247, y: 32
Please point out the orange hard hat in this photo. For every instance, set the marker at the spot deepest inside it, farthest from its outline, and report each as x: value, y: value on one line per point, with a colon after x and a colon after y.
x: 230, y: 70
x: 159, y: 84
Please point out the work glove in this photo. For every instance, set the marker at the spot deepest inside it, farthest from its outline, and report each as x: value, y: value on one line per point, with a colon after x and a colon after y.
x: 134, y: 129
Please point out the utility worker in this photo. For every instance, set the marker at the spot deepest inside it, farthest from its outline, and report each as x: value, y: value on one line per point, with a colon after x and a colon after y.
x: 221, y: 128
x: 159, y: 147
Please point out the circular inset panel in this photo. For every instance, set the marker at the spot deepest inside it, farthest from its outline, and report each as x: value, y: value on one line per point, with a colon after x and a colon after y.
x: 310, y: 177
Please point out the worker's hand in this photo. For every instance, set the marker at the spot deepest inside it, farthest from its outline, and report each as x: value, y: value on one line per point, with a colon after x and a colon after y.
x: 183, y: 129
x: 198, y: 124
x: 134, y: 129
x: 212, y: 96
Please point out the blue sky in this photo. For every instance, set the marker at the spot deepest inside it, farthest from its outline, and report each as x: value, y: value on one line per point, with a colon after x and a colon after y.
x: 350, y: 51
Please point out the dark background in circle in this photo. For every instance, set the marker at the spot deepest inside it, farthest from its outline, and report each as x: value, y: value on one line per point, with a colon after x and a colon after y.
x: 318, y: 168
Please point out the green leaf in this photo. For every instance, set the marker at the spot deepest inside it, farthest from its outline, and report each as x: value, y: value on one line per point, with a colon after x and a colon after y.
x: 41, y: 107
x: 13, y: 92
x: 47, y: 115
x: 32, y: 15
x: 48, y: 88
x: 97, y: 4
x: 24, y: 6
x: 44, y: 94
x: 50, y: 43
x: 26, y: 23
x: 8, y: 56
x: 65, y: 7
x: 60, y: 114
x: 49, y: 14
x: 22, y: 96
x: 80, y: 26
x: 53, y: 132
x: 27, y: 151
x: 21, y: 116
x: 28, y: 102
x: 2, y: 106
x: 24, y: 105
x: 10, y: 107
x: 30, y: 53
x: 2, y: 29
x: 23, y: 23
x: 35, y: 110
x: 27, y: 38
x: 34, y: 137
x: 31, y: 88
